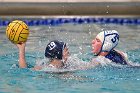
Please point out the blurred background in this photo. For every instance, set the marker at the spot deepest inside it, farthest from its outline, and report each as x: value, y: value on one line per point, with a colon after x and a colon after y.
x: 70, y: 7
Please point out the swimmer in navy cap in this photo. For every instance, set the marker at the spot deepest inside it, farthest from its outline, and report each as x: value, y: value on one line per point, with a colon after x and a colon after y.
x: 104, y: 44
x: 56, y: 51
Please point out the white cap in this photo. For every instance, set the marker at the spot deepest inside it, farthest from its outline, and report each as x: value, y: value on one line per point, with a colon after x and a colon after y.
x: 109, y: 39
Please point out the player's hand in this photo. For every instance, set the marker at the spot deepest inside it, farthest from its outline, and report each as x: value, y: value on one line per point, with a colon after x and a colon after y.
x: 21, y: 45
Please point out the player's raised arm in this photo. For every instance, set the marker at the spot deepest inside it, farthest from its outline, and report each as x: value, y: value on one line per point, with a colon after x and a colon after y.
x: 22, y: 60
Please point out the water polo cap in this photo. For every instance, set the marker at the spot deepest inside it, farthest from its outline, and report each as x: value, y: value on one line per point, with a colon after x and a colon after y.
x: 55, y: 49
x: 109, y: 39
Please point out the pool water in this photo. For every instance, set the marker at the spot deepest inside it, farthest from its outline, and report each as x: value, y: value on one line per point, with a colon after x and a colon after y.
x: 101, y: 79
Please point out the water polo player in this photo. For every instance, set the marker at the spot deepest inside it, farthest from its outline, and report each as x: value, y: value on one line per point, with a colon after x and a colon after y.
x: 104, y: 44
x: 56, y: 51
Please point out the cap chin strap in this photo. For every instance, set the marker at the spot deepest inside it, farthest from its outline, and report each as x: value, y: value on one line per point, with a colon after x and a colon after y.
x: 97, y: 54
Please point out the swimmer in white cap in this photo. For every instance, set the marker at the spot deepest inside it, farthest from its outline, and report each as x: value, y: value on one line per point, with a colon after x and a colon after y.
x: 104, y: 44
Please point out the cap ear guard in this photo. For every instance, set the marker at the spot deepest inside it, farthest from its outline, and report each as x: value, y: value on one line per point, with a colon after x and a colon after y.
x: 106, y: 47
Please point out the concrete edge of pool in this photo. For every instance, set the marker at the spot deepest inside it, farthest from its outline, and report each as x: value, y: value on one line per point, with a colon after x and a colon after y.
x: 69, y: 9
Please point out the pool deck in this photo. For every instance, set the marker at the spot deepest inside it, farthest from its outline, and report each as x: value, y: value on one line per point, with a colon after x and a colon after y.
x: 69, y: 8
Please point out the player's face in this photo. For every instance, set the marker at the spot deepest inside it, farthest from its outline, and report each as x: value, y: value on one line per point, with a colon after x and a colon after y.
x: 65, y: 54
x: 96, y: 45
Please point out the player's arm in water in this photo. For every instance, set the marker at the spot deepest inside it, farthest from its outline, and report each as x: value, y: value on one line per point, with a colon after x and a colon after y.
x: 129, y: 63
x: 22, y: 60
x: 91, y: 64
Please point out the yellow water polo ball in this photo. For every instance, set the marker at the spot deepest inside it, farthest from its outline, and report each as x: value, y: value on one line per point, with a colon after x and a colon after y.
x: 17, y: 31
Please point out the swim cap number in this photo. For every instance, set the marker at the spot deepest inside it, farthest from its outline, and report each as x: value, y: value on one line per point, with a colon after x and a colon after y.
x: 52, y: 45
x: 116, y: 37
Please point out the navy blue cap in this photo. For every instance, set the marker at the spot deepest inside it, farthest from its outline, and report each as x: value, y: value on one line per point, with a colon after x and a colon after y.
x: 55, y: 49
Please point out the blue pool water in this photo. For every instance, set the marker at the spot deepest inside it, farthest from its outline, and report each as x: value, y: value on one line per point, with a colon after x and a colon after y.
x: 102, y: 79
